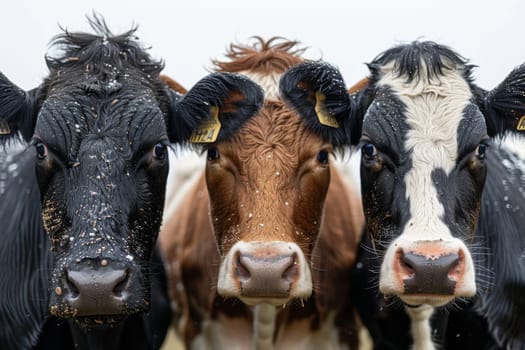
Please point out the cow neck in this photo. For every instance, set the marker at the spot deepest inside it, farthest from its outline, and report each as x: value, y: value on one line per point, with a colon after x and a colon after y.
x: 420, y: 326
x: 264, y: 317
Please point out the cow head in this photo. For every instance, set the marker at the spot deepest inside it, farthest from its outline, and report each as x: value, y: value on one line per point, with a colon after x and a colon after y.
x: 424, y: 130
x: 267, y: 177
x: 100, y: 125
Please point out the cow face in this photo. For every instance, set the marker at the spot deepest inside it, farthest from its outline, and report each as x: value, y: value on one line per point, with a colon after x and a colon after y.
x: 424, y: 130
x: 267, y: 179
x: 99, y: 125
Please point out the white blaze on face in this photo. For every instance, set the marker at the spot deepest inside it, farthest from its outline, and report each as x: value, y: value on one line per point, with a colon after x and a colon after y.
x: 433, y: 112
x: 269, y: 82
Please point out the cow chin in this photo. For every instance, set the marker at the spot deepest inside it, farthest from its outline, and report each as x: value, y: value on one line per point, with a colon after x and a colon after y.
x: 432, y: 300
x: 274, y: 272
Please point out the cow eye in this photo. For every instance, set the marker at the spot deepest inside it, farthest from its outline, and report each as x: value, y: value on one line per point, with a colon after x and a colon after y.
x: 159, y: 151
x: 213, y: 154
x: 322, y: 157
x: 41, y: 150
x: 481, y: 151
x: 369, y: 151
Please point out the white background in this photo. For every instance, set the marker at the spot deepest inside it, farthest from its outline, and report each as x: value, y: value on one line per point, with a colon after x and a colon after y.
x: 188, y: 34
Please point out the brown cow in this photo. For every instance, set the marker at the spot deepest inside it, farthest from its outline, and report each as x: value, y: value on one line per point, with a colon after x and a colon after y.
x: 259, y: 251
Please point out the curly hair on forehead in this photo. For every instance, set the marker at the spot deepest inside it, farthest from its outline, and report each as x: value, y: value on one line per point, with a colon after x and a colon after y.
x: 274, y: 55
x: 96, y: 50
x: 422, y: 59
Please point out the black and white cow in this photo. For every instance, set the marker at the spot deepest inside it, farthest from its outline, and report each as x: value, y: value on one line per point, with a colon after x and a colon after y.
x: 80, y: 208
x: 445, y: 216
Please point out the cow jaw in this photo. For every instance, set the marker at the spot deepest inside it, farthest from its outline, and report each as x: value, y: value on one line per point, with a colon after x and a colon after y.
x: 273, y: 272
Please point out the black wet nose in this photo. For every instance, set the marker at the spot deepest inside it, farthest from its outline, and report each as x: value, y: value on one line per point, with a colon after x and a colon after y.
x: 96, y: 292
x: 429, y: 275
x: 266, y: 276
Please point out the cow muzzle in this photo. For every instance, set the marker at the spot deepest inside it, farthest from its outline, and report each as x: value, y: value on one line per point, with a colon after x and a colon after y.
x: 97, y: 287
x: 428, y: 272
x: 271, y: 272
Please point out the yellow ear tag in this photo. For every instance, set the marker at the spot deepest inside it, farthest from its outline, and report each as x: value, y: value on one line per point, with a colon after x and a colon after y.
x: 324, y: 117
x: 4, y: 128
x: 521, y: 124
x: 208, y: 131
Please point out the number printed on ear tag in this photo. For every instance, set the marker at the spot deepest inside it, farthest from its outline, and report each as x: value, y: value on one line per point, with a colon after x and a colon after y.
x: 322, y: 114
x: 4, y: 128
x: 208, y: 131
x: 521, y: 124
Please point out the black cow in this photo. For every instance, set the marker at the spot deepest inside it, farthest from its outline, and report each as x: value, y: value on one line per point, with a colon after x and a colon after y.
x: 80, y: 208
x: 444, y: 215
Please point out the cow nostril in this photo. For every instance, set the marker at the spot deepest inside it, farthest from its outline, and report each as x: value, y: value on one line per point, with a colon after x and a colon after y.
x: 406, y: 265
x: 240, y: 269
x: 293, y: 269
x: 74, y: 292
x: 454, y: 270
x: 121, y: 284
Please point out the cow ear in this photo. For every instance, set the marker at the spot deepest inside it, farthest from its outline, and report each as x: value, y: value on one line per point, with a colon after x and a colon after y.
x: 215, y: 108
x: 504, y: 107
x: 18, y: 112
x: 317, y: 92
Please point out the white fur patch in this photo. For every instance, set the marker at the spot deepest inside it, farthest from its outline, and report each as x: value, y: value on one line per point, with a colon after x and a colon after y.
x: 269, y: 82
x: 434, y: 110
x: 264, y: 326
x: 238, y: 334
x: 299, y: 336
x: 224, y: 333
x: 420, y: 327
x: 185, y: 170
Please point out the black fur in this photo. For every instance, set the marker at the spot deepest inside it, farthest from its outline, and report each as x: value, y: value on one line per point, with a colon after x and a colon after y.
x: 407, y: 61
x: 298, y: 86
x: 24, y: 257
x: 491, y: 320
x: 26, y: 263
x: 505, y: 104
x: 99, y: 113
x: 216, y: 90
x: 17, y: 108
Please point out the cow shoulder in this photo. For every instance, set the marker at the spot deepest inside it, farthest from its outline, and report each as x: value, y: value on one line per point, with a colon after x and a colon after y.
x: 189, y: 247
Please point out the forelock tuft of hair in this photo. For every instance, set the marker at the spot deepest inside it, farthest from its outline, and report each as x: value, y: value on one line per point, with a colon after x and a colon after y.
x: 79, y: 49
x: 275, y: 55
x: 421, y: 59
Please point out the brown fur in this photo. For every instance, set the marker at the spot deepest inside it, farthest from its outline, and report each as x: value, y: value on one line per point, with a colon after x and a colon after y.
x: 360, y: 85
x: 274, y: 55
x: 172, y: 84
x: 267, y: 185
